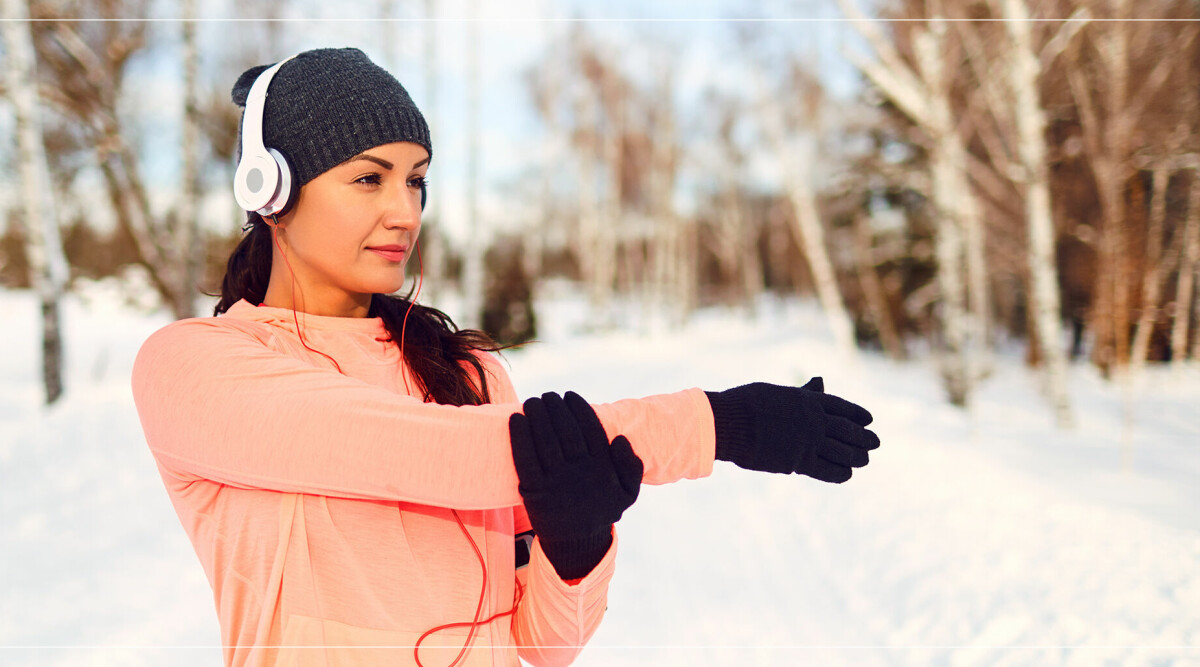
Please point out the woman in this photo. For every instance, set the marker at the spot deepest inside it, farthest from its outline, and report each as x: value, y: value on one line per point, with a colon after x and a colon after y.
x: 356, y: 475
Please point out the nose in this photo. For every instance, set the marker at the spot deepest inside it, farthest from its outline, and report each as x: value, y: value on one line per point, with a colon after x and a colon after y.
x: 403, y: 209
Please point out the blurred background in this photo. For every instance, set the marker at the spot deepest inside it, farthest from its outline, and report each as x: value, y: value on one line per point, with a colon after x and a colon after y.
x: 950, y: 177
x: 979, y: 218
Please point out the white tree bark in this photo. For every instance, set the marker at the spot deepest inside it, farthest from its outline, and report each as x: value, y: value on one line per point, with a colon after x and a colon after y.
x: 154, y: 240
x: 1024, y: 68
x: 587, y: 239
x: 949, y: 167
x: 922, y: 95
x: 187, y: 237
x: 473, y: 272
x: 669, y: 289
x: 610, y: 221
x: 798, y: 188
x: 432, y: 258
x: 48, y: 263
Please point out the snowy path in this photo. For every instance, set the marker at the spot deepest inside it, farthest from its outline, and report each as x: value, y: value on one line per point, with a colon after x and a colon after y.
x: 987, y: 538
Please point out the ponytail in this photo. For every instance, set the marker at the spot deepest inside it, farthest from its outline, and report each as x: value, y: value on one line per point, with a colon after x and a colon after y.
x: 436, y: 351
x: 249, y: 267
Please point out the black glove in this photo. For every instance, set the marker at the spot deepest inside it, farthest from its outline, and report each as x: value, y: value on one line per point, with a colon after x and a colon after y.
x: 574, y: 483
x: 770, y: 428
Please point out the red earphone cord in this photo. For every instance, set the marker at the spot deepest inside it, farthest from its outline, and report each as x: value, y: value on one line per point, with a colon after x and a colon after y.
x: 475, y: 622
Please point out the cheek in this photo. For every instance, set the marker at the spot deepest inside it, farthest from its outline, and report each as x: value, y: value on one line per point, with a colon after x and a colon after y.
x: 326, y: 234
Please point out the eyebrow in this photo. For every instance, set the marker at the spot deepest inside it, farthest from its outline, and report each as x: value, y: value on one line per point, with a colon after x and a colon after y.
x: 380, y: 161
x: 371, y: 158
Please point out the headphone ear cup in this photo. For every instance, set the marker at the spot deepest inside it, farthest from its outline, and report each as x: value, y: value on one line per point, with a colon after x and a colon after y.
x: 289, y: 186
x: 256, y: 181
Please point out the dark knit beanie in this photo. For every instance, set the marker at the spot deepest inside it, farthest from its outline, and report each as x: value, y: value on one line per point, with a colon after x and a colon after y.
x: 327, y: 105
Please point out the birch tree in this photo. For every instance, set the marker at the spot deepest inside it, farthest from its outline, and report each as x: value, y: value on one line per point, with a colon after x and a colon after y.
x: 1024, y: 68
x: 434, y: 260
x: 796, y: 156
x: 1188, y: 265
x: 188, y: 239
x: 673, y: 288
x: 473, y: 270
x: 1116, y: 82
x: 48, y: 263
x: 722, y: 159
x: 86, y: 64
x: 1152, y: 279
x: 922, y: 93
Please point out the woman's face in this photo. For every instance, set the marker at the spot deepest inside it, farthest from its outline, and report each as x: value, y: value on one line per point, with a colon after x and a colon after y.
x: 350, y: 233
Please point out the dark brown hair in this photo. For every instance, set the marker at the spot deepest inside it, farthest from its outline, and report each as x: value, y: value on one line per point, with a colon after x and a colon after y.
x: 436, y: 351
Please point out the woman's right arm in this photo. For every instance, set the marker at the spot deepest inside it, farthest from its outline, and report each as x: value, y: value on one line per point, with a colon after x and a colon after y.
x: 217, y: 403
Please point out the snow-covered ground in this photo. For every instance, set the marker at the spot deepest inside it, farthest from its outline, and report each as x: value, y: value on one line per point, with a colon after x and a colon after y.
x: 974, y: 537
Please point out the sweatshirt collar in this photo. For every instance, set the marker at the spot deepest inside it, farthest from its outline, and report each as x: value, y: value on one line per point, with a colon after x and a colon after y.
x: 285, y: 318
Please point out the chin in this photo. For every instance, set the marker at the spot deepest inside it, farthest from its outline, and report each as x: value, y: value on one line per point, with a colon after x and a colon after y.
x: 387, y: 286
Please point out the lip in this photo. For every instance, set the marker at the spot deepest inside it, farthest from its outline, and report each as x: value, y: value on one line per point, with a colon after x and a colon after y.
x: 392, y: 253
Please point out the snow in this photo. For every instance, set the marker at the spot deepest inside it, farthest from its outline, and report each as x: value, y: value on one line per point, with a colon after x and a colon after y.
x: 975, y: 537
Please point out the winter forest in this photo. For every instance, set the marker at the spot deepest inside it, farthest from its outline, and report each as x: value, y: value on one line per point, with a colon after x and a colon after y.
x: 984, y: 213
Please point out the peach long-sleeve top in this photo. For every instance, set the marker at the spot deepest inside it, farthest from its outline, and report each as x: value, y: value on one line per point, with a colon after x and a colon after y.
x: 322, y: 505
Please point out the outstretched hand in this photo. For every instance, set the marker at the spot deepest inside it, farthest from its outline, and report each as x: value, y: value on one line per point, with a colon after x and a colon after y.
x: 787, y: 430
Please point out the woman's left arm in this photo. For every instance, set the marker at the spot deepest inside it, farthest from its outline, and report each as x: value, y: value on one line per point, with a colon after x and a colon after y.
x: 554, y: 618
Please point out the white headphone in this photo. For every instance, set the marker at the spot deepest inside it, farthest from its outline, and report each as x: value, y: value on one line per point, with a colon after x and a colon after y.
x: 263, y: 182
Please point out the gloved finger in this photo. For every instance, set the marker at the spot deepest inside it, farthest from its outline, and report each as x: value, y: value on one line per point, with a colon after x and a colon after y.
x: 842, y: 454
x: 827, y: 471
x: 836, y: 405
x: 595, y: 439
x: 545, y: 439
x: 816, y: 384
x: 844, y: 430
x: 627, y: 465
x: 524, y: 453
x: 570, y: 437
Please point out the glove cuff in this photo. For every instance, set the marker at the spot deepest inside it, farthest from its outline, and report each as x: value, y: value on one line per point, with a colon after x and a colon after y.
x: 576, y: 557
x: 732, y: 424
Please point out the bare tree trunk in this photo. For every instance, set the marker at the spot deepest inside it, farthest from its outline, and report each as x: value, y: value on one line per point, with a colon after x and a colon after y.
x: 872, y: 287
x: 798, y: 189
x: 923, y: 96
x: 589, y: 200
x: 473, y: 274
x: 1030, y: 120
x: 611, y: 221
x: 730, y: 242
x: 666, y: 263
x: 187, y: 237
x: 1189, y: 259
x: 1108, y: 145
x: 809, y: 228
x: 155, y: 243
x: 433, y: 261
x: 48, y: 263
x: 1152, y: 278
x: 1195, y: 253
x: 979, y: 302
x: 948, y: 160
x: 749, y: 262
